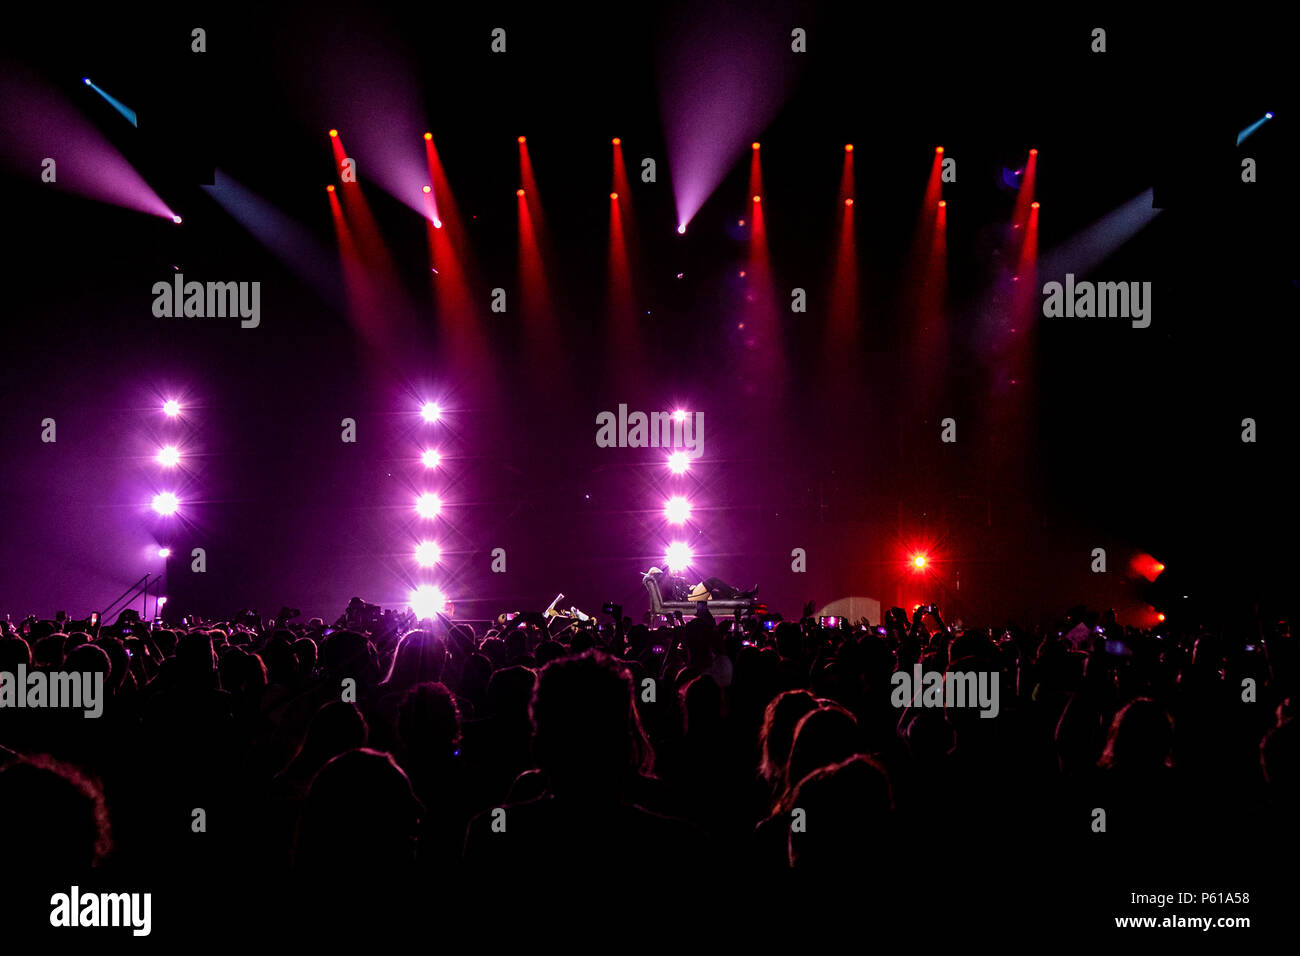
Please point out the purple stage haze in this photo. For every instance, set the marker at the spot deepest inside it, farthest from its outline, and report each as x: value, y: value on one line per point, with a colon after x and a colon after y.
x: 38, y: 123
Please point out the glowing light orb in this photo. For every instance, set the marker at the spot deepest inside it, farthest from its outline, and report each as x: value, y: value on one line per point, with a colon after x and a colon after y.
x: 428, y: 505
x: 678, y: 462
x: 677, y: 509
x: 427, y: 600
x: 427, y: 554
x: 166, y: 503
x: 679, y: 556
x: 169, y: 456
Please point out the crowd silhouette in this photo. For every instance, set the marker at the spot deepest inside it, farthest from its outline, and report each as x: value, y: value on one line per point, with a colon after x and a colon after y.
x: 624, y: 750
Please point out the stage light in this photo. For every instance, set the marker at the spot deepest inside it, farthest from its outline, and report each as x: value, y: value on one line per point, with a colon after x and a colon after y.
x: 329, y: 189
x: 427, y: 554
x: 938, y: 149
x: 920, y: 562
x: 165, y: 503
x: 1268, y: 116
x: 1160, y: 618
x: 754, y: 145
x: 678, y: 462
x: 171, y: 408
x: 522, y: 140
x: 430, y: 411
x: 437, y: 224
x: 613, y: 195
x: 1033, y: 205
x: 848, y: 202
x: 943, y: 203
x: 1033, y: 152
x: 176, y: 219
x: 164, y: 552
x: 334, y: 134
x: 617, y: 141
x: 162, y: 601
x: 678, y: 557
x: 169, y: 456
x: 1159, y: 568
x: 426, y: 601
x: 425, y: 189
x: 848, y: 147
x: 86, y: 80
x: 519, y: 192
x: 757, y: 198
x: 428, y: 136
x: 679, y: 415
x: 681, y: 230
x: 677, y: 509
x: 431, y: 459
x: 428, y: 505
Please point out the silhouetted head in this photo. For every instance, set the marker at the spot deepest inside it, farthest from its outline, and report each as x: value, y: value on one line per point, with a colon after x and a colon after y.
x: 783, y: 713
x: 428, y: 720
x: 420, y: 657
x: 54, y: 816
x: 847, y: 816
x: 1141, y: 738
x: 586, y: 730
x: 360, y: 805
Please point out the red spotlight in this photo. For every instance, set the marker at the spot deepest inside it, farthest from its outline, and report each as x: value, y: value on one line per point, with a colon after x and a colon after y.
x: 613, y: 195
x: 522, y: 140
x: 756, y: 198
x: 428, y: 136
x: 519, y: 192
x: 848, y: 147
x: 329, y: 189
x: 848, y: 202
x: 425, y: 189
x: 1033, y: 205
x: 919, y: 562
x: 938, y: 149
x: 616, y: 141
x: 754, y: 145
x: 1033, y: 152
x: 943, y: 203
x: 334, y: 134
x: 1160, y: 617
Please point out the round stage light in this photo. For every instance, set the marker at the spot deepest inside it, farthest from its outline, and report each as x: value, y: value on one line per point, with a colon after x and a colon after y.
x: 938, y: 149
x: 334, y: 134
x: 427, y: 600
x: 522, y: 140
x: 428, y: 505
x: 165, y: 503
x: 679, y: 415
x: 1033, y: 152
x: 431, y: 458
x: 920, y: 561
x: 437, y: 224
x: 86, y: 80
x: 681, y: 230
x: 428, y: 136
x: 171, y: 408
x: 613, y: 195
x: 677, y: 509
x: 1268, y: 116
x: 427, y: 554
x: 848, y: 147
x: 425, y: 189
x: 169, y: 456
x: 753, y: 145
x: 617, y: 141
x: 943, y: 203
x: 176, y: 219
x: 164, y: 552
x: 329, y: 189
x: 848, y: 202
x: 679, y: 556
x: 678, y: 462
x: 1033, y: 205
x: 519, y: 193
x: 757, y: 198
x: 430, y: 411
